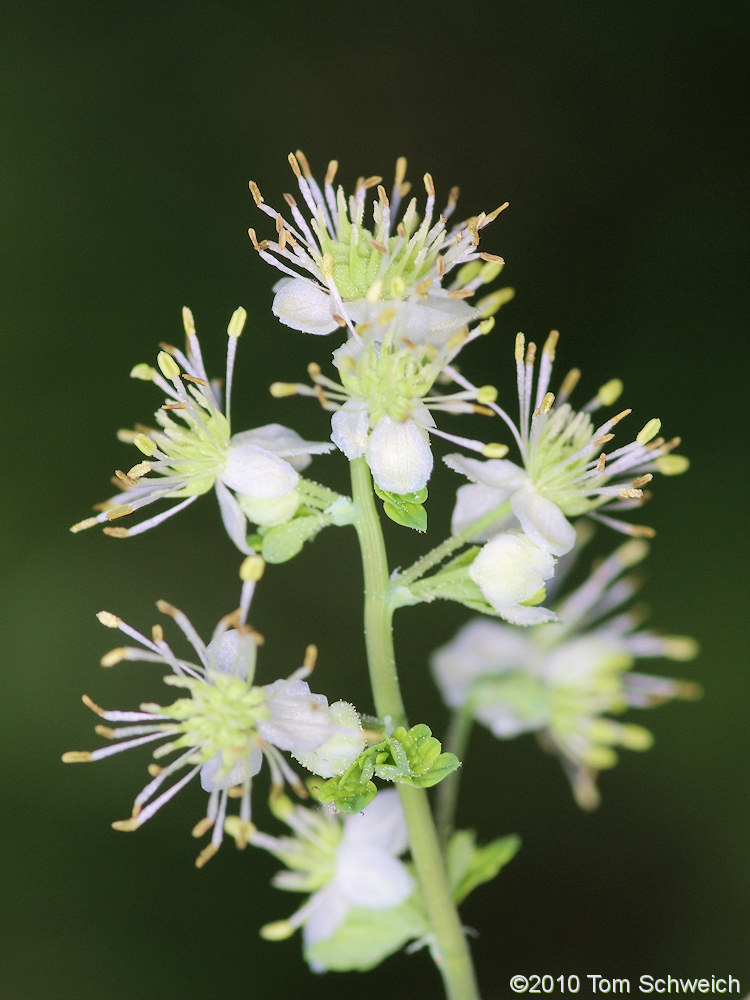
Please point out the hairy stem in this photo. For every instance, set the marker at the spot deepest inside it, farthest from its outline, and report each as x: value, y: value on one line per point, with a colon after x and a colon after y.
x: 449, y: 546
x: 455, y: 963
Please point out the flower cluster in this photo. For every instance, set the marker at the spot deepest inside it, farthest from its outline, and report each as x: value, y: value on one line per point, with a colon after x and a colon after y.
x: 563, y: 680
x: 255, y: 473
x: 225, y: 726
x: 401, y: 285
x: 564, y: 470
x: 343, y: 271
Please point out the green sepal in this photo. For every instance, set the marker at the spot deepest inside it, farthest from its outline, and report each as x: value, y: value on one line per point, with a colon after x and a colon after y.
x: 413, y: 757
x: 469, y: 866
x: 284, y: 541
x: 352, y: 791
x: 405, y: 508
x: 367, y: 937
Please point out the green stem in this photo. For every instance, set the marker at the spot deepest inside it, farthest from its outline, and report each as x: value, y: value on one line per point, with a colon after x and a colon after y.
x: 456, y: 742
x: 442, y: 551
x: 455, y: 960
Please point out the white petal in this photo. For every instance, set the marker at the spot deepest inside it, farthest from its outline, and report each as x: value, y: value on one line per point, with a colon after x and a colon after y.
x: 233, y: 652
x: 327, y: 910
x: 509, y: 569
x: 233, y: 518
x: 543, y: 521
x: 399, y: 455
x: 256, y: 472
x: 302, y: 304
x: 267, y: 513
x: 285, y: 443
x: 473, y: 501
x: 342, y: 747
x: 498, y: 473
x: 213, y: 776
x: 434, y: 319
x: 300, y: 720
x: 350, y: 428
x: 381, y: 823
x: 481, y: 648
x: 371, y: 877
x: 520, y: 614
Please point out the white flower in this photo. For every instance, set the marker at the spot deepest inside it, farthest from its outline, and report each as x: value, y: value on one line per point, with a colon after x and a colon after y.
x: 224, y: 726
x: 562, y: 680
x: 564, y: 471
x: 510, y: 570
x: 255, y: 473
x: 342, y: 271
x: 346, y: 862
x: 382, y: 408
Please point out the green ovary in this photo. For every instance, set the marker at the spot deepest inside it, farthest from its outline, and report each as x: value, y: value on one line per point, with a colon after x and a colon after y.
x: 196, y: 453
x: 389, y: 382
x: 220, y: 717
x: 553, y: 468
x: 357, y: 263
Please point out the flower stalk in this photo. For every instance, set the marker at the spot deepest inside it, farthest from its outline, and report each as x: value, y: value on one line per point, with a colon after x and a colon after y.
x: 454, y: 959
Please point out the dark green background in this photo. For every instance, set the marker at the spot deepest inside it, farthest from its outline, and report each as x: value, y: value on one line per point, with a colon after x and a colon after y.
x: 129, y: 133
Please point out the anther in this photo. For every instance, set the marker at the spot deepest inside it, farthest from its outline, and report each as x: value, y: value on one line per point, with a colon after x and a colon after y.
x: 157, y: 633
x: 641, y: 480
x: 108, y: 619
x: 550, y: 344
x: 530, y: 353
x: 333, y: 166
x: 122, y: 511
x: 649, y: 431
x: 106, y: 731
x: 429, y: 185
x: 493, y: 215
x: 281, y: 389
x: 188, y: 322
x: 311, y: 657
x: 252, y: 568
x: 294, y: 165
x: 91, y: 704
x: 619, y: 416
x: 255, y: 192
x: 570, y: 382
x: 494, y: 450
x: 520, y: 346
x: 201, y: 827
x: 76, y: 757
x: 87, y: 522
x: 116, y: 532
x: 398, y: 180
x: 113, y: 657
x: 126, y: 825
x: 302, y: 160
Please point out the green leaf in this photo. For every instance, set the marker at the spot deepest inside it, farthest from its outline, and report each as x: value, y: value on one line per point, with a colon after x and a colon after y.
x: 405, y: 508
x: 351, y: 792
x: 414, y: 757
x: 284, y: 541
x: 470, y: 866
x: 410, y: 515
x: 367, y: 937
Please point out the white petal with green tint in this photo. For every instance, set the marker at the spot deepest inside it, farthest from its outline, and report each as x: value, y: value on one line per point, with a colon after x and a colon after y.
x: 399, y: 455
x: 303, y: 305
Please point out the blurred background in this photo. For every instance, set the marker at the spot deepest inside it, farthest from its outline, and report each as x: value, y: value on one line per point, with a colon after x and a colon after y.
x: 129, y: 134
